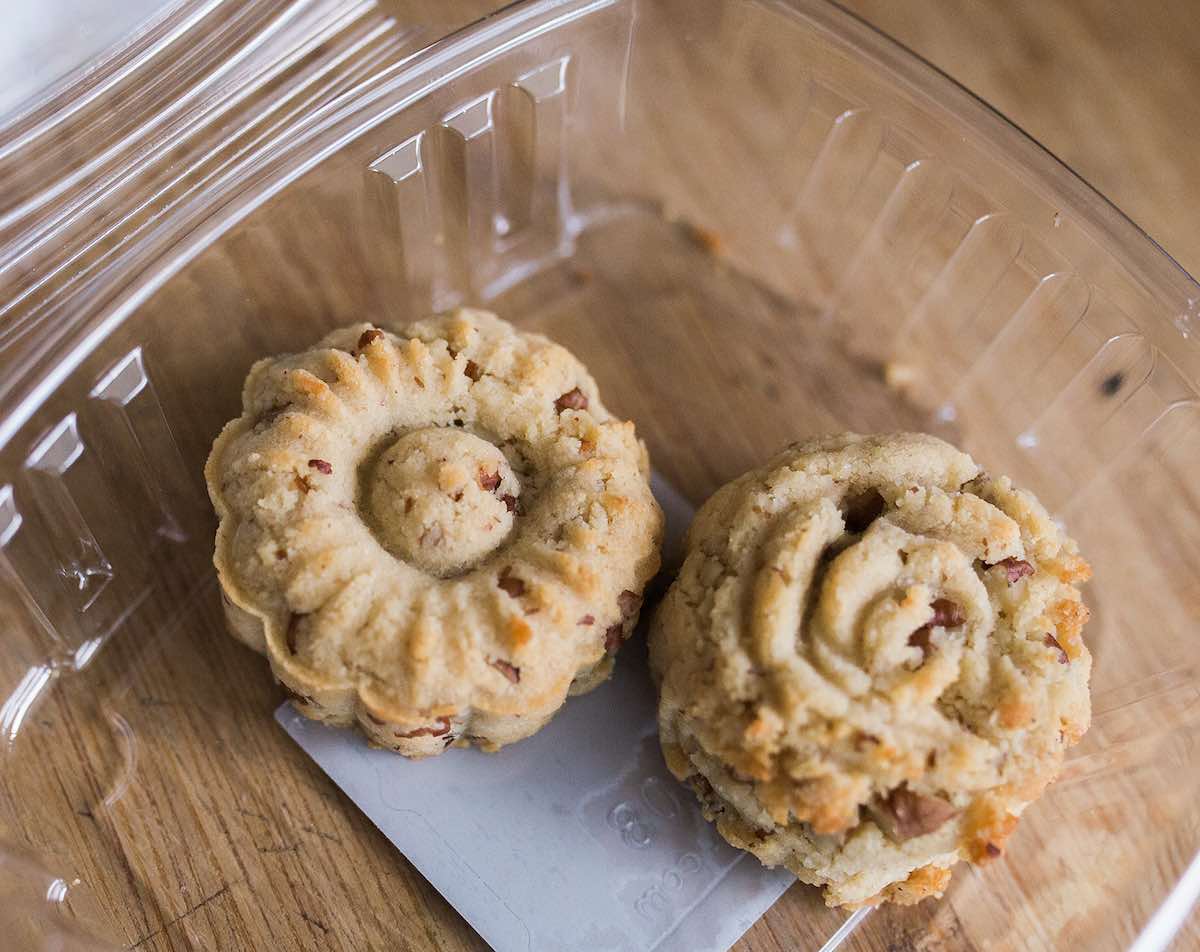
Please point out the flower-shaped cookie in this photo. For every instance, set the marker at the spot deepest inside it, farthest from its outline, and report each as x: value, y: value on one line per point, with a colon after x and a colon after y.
x: 871, y: 662
x: 437, y: 534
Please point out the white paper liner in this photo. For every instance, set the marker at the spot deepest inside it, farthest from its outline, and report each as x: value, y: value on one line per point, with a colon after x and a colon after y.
x: 577, y: 838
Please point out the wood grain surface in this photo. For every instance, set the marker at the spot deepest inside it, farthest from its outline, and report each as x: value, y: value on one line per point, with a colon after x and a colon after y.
x: 1109, y: 87
x: 254, y: 848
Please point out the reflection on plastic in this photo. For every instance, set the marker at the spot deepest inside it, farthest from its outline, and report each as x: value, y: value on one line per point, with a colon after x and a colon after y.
x: 82, y: 567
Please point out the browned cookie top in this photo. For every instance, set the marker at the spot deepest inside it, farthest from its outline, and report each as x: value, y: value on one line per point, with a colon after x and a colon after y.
x: 871, y: 660
x: 441, y: 523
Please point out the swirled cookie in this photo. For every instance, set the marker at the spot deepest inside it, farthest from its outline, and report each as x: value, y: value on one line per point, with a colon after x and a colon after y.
x: 437, y: 535
x: 871, y: 662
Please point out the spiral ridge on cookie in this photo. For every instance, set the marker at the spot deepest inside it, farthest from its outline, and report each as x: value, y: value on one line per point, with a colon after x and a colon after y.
x: 871, y: 661
x: 436, y: 534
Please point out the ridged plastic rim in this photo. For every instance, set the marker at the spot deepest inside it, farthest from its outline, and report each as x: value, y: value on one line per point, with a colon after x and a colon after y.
x: 377, y: 98
x: 398, y: 86
x: 1119, y: 229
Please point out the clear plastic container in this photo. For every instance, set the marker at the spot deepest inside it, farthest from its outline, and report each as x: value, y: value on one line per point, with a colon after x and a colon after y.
x: 743, y: 215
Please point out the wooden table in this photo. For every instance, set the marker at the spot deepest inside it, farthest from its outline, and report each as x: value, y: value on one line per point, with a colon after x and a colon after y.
x: 1113, y: 89
x: 1109, y: 86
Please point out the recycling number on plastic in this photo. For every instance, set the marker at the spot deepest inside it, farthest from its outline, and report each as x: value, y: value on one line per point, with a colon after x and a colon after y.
x: 636, y: 820
x: 658, y: 898
x: 630, y: 819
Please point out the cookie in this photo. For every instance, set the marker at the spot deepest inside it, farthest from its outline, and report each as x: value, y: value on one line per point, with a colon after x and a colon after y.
x: 436, y: 535
x: 871, y: 662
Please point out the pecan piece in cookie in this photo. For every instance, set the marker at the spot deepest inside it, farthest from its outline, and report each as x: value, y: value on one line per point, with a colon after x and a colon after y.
x: 509, y: 583
x: 904, y: 814
x: 436, y: 729
x: 368, y: 338
x: 629, y: 603
x: 1014, y: 569
x: 921, y: 639
x: 507, y: 668
x: 571, y: 400
x: 1051, y: 642
x: 946, y: 614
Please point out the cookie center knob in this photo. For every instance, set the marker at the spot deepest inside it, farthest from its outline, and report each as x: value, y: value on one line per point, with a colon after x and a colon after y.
x: 442, y: 499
